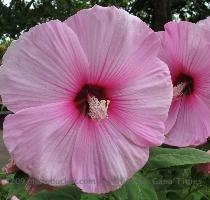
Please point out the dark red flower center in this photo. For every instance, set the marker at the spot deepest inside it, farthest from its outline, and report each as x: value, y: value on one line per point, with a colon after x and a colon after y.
x: 87, y: 91
x: 187, y: 82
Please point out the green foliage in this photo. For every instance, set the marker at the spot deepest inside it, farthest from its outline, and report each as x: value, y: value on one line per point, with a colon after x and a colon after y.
x: 137, y: 188
x: 16, y: 187
x: 2, y: 50
x: 166, y: 157
x: 21, y: 15
x: 3, y: 47
x: 65, y: 193
x: 89, y: 197
x: 190, y: 10
x: 173, y: 175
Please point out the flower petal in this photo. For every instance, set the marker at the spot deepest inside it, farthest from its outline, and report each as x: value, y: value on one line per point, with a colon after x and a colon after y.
x: 41, y: 141
x: 141, y: 108
x: 116, y: 43
x: 203, y: 86
x: 46, y: 65
x: 205, y: 23
x: 66, y: 152
x: 185, y: 48
x: 106, y: 160
x: 173, y: 114
x: 192, y: 126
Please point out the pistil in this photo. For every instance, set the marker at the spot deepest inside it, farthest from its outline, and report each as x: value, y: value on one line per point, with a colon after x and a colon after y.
x: 98, y: 109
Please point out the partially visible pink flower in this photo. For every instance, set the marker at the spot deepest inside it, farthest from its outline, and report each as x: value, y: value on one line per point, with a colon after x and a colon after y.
x: 14, y: 198
x: 90, y: 98
x: 186, y: 50
x: 4, y: 182
x: 205, y: 168
x: 10, y: 167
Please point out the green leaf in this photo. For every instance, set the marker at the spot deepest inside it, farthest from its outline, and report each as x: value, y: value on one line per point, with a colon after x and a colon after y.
x: 173, y: 196
x: 137, y: 188
x: 66, y: 193
x: 166, y: 157
x: 85, y: 196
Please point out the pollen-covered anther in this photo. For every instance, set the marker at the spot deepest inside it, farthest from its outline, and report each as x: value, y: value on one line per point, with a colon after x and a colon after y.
x: 98, y: 109
x: 178, y: 89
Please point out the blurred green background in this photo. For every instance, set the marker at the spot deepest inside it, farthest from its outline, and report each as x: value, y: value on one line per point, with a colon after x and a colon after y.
x: 17, y: 16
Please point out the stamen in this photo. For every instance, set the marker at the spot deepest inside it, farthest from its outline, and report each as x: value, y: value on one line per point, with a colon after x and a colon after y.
x: 98, y: 109
x: 178, y: 90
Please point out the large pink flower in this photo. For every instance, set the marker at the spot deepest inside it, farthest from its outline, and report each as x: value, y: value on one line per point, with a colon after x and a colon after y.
x: 90, y: 97
x: 186, y: 50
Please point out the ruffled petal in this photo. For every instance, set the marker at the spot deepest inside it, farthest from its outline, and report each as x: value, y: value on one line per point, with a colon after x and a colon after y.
x: 205, y: 23
x: 104, y: 159
x: 202, y: 81
x: 141, y: 108
x: 41, y: 141
x: 192, y: 126
x: 116, y: 43
x: 172, y: 115
x: 46, y: 65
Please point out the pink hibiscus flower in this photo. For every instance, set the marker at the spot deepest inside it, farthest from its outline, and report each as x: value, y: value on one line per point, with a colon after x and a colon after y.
x: 90, y: 97
x: 186, y: 50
